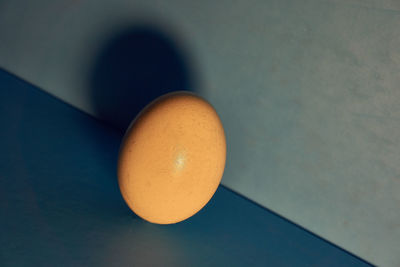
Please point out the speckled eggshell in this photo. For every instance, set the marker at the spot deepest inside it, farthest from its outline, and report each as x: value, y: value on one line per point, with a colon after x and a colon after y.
x: 172, y: 158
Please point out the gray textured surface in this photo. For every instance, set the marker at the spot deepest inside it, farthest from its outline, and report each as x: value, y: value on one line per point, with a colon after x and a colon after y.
x: 60, y: 204
x: 308, y: 92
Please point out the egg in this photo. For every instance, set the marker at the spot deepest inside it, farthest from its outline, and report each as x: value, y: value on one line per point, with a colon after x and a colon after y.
x: 172, y: 158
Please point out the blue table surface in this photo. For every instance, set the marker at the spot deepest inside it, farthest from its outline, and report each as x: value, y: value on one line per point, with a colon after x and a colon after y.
x: 60, y: 204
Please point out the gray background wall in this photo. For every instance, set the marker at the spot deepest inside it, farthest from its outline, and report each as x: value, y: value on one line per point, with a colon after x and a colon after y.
x: 308, y: 92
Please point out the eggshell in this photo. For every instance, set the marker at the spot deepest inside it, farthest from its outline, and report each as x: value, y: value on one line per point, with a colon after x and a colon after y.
x: 172, y: 158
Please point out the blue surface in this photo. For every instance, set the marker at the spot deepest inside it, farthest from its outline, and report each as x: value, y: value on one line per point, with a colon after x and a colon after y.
x: 60, y: 204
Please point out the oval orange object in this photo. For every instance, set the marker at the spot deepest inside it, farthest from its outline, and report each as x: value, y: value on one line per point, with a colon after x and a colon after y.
x: 172, y: 158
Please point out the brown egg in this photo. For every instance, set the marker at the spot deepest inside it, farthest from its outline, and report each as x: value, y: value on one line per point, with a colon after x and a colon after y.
x: 172, y: 158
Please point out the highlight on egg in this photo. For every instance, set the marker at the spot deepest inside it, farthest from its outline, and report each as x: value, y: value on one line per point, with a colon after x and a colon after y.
x: 172, y: 158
